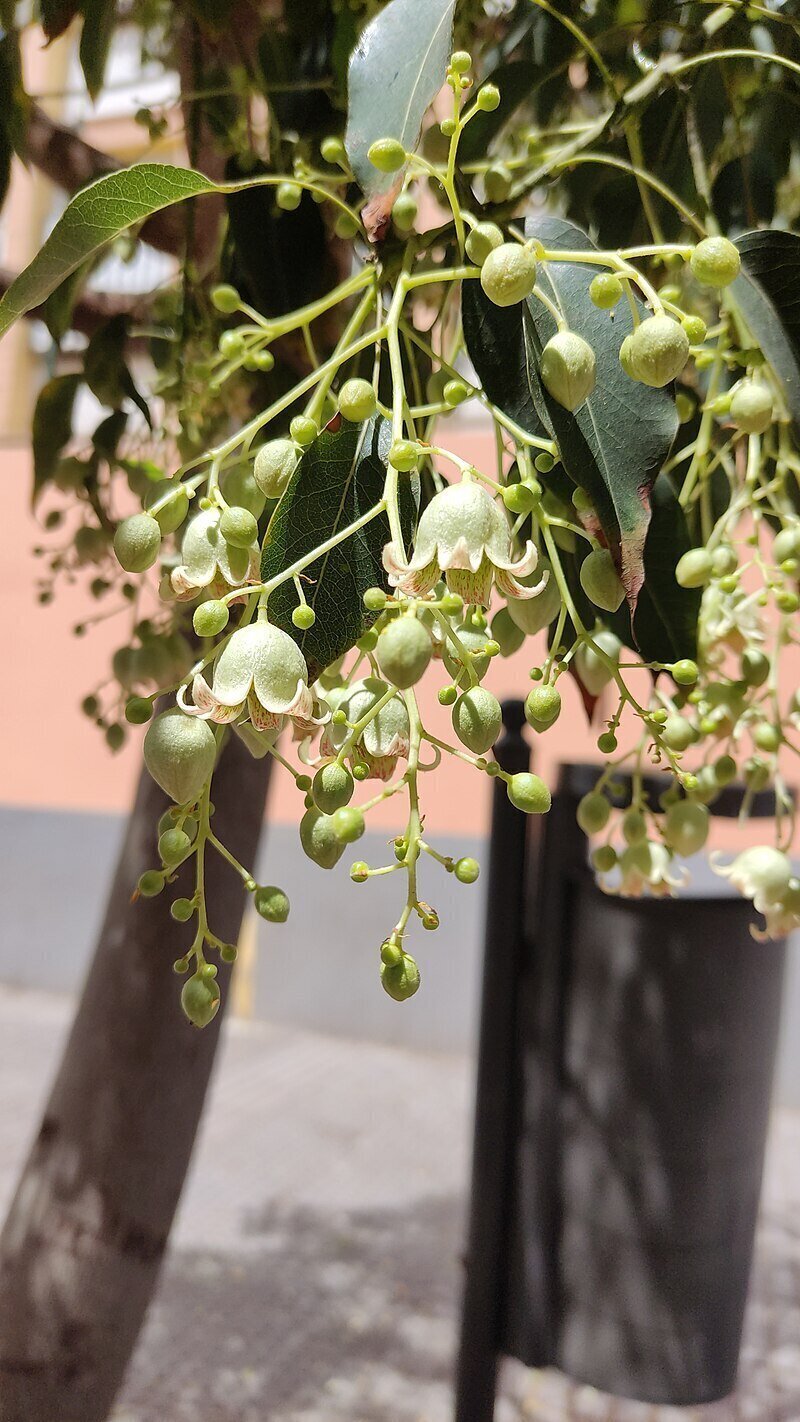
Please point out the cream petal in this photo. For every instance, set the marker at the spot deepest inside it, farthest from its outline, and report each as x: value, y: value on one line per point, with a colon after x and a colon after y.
x: 508, y: 584
x: 460, y: 555
x: 262, y: 719
x: 474, y: 587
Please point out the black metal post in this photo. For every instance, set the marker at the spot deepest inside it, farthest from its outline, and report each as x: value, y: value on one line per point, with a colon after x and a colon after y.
x: 495, y: 1107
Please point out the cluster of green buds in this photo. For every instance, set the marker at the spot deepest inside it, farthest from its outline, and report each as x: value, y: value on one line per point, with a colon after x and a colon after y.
x: 485, y: 560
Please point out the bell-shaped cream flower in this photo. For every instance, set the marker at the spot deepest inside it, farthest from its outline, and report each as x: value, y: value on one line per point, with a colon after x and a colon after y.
x: 387, y: 735
x: 463, y: 533
x: 207, y: 561
x: 260, y: 672
x: 645, y: 869
x: 764, y: 875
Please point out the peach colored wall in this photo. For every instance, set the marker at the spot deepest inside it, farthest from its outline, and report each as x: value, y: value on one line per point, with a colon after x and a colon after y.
x: 60, y: 760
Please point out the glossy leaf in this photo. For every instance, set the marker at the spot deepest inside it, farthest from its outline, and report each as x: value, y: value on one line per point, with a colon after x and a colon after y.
x: 340, y: 477
x: 664, y: 625
x: 57, y: 15
x: 767, y: 292
x: 98, y: 214
x: 615, y: 443
x: 396, y: 70
x: 495, y: 342
x: 52, y: 427
x: 99, y: 20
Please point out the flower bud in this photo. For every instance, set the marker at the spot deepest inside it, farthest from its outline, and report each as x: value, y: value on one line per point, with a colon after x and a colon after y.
x: 751, y: 407
x: 404, y: 650
x: 686, y: 827
x: 542, y: 707
x: 348, y: 824
x: 482, y: 240
x: 605, y: 290
x: 694, y: 568
x: 174, y: 501
x: 467, y: 870
x: 271, y: 903
x: 477, y: 719
x: 593, y: 812
x: 179, y: 752
x: 319, y: 840
x: 400, y: 980
x: 238, y: 527
x: 357, y: 400
x: 332, y: 788
x: 658, y: 351
x: 529, y: 793
x: 137, y: 542
x: 508, y: 274
x: 200, y: 999
x: 274, y: 466
x: 600, y: 580
x: 715, y: 262
x: 387, y: 155
x: 568, y: 369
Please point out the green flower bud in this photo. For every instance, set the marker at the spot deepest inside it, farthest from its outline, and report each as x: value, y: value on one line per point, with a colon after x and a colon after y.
x: 604, y: 858
x: 404, y: 650
x: 288, y: 196
x: 497, y: 182
x: 529, y: 793
x: 238, y: 527
x: 179, y: 752
x: 477, y: 719
x: 374, y: 599
x: 678, y: 733
x: 150, y: 884
x: 600, y: 580
x: 715, y: 262
x: 404, y: 212
x: 404, y: 455
x: 568, y: 369
x: 359, y: 872
x: 508, y: 274
x: 348, y: 824
x: 767, y: 737
x: 333, y: 150
x: 182, y: 910
x: 593, y: 812
x: 755, y: 667
x: 725, y: 770
x: 210, y: 618
x: 518, y: 498
x: 532, y: 614
x: 686, y: 827
x: 658, y: 351
x: 605, y: 290
x: 173, y: 846
x: 482, y: 240
x: 400, y: 980
x: 231, y: 344
x: 685, y: 672
x: 271, y: 903
x: 319, y: 840
x: 274, y: 466
x: 138, y: 710
x: 634, y: 826
x: 345, y: 225
x: 304, y: 617
x: 200, y: 999
x: 542, y: 707
x: 591, y: 668
x: 387, y: 155
x: 461, y: 61
x: 626, y: 357
x: 225, y: 299
x: 115, y: 736
x: 694, y: 568
x: 303, y: 430
x: 240, y: 489
x: 751, y: 407
x: 467, y: 870
x: 357, y: 400
x: 695, y: 328
x: 174, y: 508
x: 506, y: 633
x: 455, y: 393
x: 447, y: 696
x: 332, y: 788
x: 137, y: 542
x: 787, y: 544
x: 488, y: 98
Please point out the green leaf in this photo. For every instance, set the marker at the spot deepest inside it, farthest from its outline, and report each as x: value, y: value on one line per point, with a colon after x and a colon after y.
x: 767, y: 293
x: 340, y: 477
x: 105, y: 370
x: 57, y: 15
x: 52, y: 427
x: 614, y: 445
x: 517, y: 81
x: 396, y: 71
x: 99, y: 20
x: 94, y: 217
x: 495, y: 342
x: 664, y: 625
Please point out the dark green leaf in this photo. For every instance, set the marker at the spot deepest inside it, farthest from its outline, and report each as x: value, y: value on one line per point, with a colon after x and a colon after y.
x: 495, y: 343
x: 57, y: 309
x: 52, y: 427
x: 99, y: 19
x: 767, y: 293
x: 396, y: 71
x: 105, y: 370
x: 614, y: 445
x: 108, y: 434
x: 665, y: 621
x: 56, y: 15
x: 517, y: 82
x: 338, y: 479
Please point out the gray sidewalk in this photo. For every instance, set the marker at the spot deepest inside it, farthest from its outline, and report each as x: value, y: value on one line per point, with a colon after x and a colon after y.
x: 314, y: 1274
